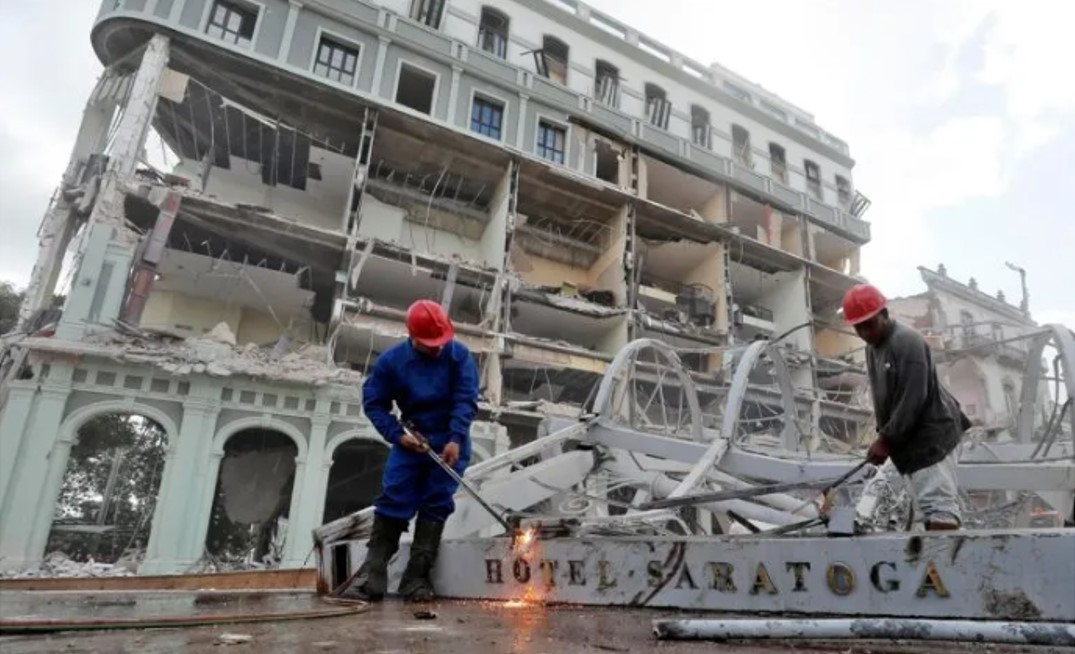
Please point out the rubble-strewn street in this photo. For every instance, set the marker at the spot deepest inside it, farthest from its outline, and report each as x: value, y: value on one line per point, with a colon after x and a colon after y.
x: 476, y: 627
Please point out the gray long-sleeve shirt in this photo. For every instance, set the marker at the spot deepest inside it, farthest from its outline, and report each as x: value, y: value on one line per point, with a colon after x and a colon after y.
x: 918, y: 419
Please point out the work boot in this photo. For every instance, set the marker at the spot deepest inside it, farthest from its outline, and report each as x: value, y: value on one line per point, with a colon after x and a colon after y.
x: 416, y: 585
x: 370, y: 582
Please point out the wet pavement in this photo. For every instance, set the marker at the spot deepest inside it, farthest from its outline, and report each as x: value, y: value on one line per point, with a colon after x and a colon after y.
x: 387, y: 628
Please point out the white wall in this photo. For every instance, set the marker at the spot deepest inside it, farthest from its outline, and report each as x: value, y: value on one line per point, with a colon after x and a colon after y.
x: 785, y: 295
x: 387, y: 223
x: 320, y: 205
x: 527, y: 29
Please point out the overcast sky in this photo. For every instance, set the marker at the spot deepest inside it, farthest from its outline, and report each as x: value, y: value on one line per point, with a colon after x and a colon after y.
x: 960, y: 116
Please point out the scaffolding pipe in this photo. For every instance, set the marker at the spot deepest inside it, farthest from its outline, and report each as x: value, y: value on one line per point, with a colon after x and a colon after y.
x: 1013, y: 633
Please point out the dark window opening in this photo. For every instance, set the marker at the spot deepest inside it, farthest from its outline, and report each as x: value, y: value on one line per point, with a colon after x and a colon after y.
x: 608, y: 163
x: 232, y: 22
x: 741, y: 146
x: 607, y: 84
x: 813, y: 178
x: 700, y: 132
x: 415, y: 89
x: 336, y: 61
x: 778, y: 163
x: 493, y: 32
x: 551, y: 142
x: 843, y: 190
x: 486, y: 117
x: 428, y: 12
x: 551, y: 60
x: 658, y: 108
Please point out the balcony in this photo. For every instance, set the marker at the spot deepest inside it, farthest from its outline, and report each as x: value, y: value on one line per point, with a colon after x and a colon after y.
x: 113, y: 35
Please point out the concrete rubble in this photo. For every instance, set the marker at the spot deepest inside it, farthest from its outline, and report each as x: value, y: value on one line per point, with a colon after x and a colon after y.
x: 58, y: 564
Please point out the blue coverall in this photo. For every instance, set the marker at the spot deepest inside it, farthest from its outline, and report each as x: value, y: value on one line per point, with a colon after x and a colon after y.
x: 439, y: 395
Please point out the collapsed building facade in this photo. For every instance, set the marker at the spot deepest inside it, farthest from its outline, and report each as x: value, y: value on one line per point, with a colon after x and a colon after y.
x: 561, y: 183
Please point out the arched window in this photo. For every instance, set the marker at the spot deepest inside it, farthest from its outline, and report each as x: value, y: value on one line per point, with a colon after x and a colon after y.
x: 658, y: 108
x: 700, y: 126
x: 607, y: 84
x: 551, y: 59
x: 493, y: 32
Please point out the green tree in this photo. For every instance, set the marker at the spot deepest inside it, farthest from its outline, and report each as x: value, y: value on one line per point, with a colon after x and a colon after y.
x: 10, y: 299
x: 135, y: 446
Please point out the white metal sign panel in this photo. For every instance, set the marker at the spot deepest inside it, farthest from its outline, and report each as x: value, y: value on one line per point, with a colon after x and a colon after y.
x: 1027, y: 575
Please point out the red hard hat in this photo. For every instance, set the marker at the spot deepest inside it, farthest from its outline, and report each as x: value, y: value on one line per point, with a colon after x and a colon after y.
x: 428, y: 324
x: 862, y: 302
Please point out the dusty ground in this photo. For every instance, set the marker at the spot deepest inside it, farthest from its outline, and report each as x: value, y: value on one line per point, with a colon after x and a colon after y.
x: 388, y: 628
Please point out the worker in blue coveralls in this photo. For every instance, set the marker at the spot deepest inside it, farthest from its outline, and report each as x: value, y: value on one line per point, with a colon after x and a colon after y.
x: 433, y: 380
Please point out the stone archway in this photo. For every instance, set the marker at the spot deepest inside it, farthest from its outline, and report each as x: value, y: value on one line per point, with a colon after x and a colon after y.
x: 354, y: 478
x: 107, y: 500
x: 247, y: 524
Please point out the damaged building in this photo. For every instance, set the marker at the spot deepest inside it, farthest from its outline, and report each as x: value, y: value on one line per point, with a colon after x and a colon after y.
x: 259, y: 190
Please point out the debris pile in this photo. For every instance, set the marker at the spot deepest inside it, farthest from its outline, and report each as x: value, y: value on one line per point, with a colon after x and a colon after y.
x: 217, y: 354
x: 58, y: 564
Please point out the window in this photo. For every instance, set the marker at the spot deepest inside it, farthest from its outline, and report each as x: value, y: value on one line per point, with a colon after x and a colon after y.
x: 336, y: 61
x: 967, y: 321
x: 1009, y: 397
x: 486, y: 117
x: 232, y: 22
x: 415, y: 89
x: 658, y: 108
x: 700, y: 132
x: 774, y: 110
x: 551, y: 60
x: 741, y: 146
x: 843, y: 191
x: 813, y: 178
x: 998, y: 331
x: 607, y: 84
x: 737, y: 92
x: 493, y: 32
x: 427, y: 12
x: 778, y: 163
x: 551, y: 142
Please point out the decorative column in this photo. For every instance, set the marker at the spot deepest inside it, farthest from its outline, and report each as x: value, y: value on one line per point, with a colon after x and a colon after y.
x: 308, y: 493
x: 182, y: 484
x: 30, y: 503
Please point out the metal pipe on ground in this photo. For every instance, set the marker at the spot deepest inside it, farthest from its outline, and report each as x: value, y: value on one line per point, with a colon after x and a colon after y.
x: 1011, y: 633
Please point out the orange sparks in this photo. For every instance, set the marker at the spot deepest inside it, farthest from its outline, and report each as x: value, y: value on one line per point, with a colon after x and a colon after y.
x: 524, y: 541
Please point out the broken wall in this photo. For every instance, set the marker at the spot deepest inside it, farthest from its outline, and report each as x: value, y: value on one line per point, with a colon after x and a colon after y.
x: 321, y: 204
x: 390, y: 223
x: 835, y: 344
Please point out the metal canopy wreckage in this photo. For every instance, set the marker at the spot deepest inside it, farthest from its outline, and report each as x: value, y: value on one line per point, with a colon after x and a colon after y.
x: 634, y: 504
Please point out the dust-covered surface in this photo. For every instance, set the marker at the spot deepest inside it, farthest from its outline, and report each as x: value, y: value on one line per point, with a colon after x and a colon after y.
x: 391, y: 627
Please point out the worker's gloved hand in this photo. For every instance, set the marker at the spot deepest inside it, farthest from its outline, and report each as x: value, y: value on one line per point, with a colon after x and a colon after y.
x: 878, y: 452
x: 413, y: 443
x: 451, y: 453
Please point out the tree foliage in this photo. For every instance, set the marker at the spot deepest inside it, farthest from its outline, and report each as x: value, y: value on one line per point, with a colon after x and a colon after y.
x: 135, y: 446
x: 10, y: 299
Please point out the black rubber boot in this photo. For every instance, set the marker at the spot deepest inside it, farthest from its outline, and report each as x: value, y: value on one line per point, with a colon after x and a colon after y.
x: 370, y: 582
x: 416, y: 585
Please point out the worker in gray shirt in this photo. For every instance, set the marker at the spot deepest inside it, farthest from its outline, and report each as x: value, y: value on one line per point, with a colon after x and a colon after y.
x: 919, y: 423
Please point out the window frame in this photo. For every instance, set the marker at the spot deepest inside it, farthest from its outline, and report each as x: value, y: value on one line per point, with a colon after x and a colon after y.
x: 323, y: 34
x: 783, y: 165
x: 746, y: 157
x: 844, y: 193
x: 253, y: 5
x: 400, y: 63
x: 707, y: 136
x: 567, y: 139
x: 542, y: 57
x: 598, y: 77
x: 813, y: 184
x: 414, y: 12
x: 481, y: 94
x: 506, y: 33
x: 663, y: 97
